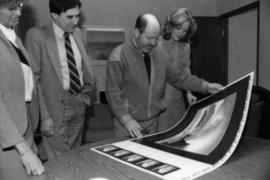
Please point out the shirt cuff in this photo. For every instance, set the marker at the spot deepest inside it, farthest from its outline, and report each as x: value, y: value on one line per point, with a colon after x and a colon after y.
x: 204, y: 87
x: 124, y: 119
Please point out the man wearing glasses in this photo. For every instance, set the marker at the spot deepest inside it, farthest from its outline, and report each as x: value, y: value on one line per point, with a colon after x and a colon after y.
x: 19, y: 109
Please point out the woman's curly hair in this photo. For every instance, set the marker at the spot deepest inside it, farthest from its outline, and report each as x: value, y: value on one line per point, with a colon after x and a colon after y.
x: 176, y: 19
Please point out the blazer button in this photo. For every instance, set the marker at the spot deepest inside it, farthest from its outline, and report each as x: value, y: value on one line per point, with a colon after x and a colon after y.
x: 62, y: 101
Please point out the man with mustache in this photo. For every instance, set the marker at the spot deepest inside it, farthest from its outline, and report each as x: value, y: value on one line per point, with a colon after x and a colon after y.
x: 137, y: 72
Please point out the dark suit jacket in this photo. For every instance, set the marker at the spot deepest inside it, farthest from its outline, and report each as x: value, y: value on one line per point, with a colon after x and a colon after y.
x: 42, y: 46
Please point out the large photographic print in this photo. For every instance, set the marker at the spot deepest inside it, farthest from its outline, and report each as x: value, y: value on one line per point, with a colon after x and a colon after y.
x: 206, y: 130
x: 210, y: 126
x: 202, y: 141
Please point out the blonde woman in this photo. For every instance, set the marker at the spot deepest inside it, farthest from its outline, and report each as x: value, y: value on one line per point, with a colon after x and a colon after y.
x: 178, y: 29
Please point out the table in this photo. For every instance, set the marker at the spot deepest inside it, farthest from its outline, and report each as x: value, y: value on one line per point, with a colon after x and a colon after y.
x: 250, y: 161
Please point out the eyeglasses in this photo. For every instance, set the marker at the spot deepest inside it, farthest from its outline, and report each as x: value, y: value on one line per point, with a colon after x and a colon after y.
x: 15, y: 6
x: 12, y: 6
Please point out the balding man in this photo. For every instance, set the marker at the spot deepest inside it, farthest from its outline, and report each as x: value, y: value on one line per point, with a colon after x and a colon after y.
x: 137, y: 72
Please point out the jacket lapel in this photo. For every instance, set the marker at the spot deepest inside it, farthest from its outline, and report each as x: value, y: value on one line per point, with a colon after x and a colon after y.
x: 52, y: 49
x: 21, y: 47
x: 2, y: 36
x: 12, y: 50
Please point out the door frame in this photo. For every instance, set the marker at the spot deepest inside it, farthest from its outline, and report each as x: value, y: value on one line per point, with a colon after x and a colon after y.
x: 241, y: 10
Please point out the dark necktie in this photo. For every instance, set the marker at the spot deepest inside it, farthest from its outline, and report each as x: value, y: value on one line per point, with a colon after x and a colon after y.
x: 75, y: 84
x: 20, y: 54
x: 147, y: 61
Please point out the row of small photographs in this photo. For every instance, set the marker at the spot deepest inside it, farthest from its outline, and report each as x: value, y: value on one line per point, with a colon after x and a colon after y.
x: 138, y: 160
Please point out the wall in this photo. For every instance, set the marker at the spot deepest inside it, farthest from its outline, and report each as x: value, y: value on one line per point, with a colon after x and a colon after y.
x: 124, y: 12
x: 264, y: 46
x: 34, y: 13
x: 116, y: 12
x: 225, y: 6
x: 242, y: 45
x: 264, y: 39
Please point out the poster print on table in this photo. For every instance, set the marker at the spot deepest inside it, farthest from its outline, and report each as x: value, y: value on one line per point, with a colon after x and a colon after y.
x: 135, y: 159
x: 200, y: 143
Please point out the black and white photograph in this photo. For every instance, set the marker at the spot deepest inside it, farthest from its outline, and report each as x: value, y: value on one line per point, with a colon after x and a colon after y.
x: 132, y: 158
x: 134, y: 89
x: 164, y: 169
x: 206, y: 130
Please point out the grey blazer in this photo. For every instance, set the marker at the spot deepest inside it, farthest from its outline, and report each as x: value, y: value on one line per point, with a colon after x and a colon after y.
x: 13, y: 112
x: 42, y: 46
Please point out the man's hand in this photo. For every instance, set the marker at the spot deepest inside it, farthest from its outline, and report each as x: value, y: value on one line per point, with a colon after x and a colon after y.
x: 47, y: 127
x: 32, y: 163
x: 85, y: 98
x: 133, y: 128
x: 191, y: 98
x: 29, y: 159
x: 213, y: 88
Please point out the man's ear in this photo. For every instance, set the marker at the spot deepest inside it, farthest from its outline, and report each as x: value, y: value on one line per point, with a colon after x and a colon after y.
x: 136, y: 33
x: 54, y: 16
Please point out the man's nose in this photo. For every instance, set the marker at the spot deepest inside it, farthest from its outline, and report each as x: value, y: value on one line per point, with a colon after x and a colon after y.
x: 75, y: 20
x: 18, y: 11
x: 153, y: 42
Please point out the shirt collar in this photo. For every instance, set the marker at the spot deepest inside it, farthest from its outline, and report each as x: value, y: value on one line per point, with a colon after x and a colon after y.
x: 9, y: 33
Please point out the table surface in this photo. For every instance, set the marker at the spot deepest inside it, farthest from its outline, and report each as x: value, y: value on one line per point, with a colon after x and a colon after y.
x: 250, y: 161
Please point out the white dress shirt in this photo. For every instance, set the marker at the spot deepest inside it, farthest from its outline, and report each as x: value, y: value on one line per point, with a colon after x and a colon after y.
x: 59, y: 35
x: 27, y: 72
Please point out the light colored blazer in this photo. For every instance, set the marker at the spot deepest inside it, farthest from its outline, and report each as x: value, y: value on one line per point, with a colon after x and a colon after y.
x: 42, y: 46
x: 13, y: 113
